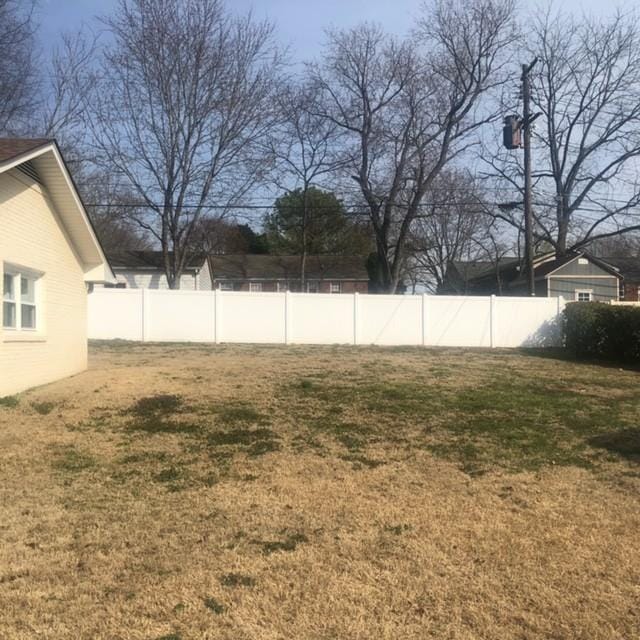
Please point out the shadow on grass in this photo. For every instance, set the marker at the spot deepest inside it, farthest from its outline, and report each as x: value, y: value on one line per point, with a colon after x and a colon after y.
x: 558, y: 353
x: 625, y: 443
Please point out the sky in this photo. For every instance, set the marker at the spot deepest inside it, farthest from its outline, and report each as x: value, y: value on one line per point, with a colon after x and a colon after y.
x: 300, y: 23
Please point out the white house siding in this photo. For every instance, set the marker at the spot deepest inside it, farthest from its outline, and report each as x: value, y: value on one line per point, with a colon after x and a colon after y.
x: 32, y: 237
x: 204, y: 278
x: 153, y: 280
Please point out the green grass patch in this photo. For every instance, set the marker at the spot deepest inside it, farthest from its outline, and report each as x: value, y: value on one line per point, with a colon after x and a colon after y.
x: 233, y: 414
x: 43, y: 408
x: 289, y: 543
x: 144, y: 457
x: 508, y: 419
x: 158, y: 405
x: 397, y: 529
x: 214, y: 606
x: 68, y: 459
x: 161, y: 425
x: 9, y: 402
x: 237, y: 580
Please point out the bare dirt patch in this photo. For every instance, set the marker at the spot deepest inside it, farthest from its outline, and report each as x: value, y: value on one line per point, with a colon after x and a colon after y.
x: 191, y: 492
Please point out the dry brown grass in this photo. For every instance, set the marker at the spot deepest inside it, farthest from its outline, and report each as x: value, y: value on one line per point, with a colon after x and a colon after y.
x: 259, y: 492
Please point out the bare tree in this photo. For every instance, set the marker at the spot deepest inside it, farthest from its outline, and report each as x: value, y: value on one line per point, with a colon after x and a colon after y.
x: 186, y: 92
x: 65, y: 90
x: 303, y: 147
x: 411, y: 108
x: 586, y: 86
x: 19, y: 80
x: 454, y: 226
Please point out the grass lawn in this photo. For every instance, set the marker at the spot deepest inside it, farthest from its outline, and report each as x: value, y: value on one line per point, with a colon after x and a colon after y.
x: 244, y: 492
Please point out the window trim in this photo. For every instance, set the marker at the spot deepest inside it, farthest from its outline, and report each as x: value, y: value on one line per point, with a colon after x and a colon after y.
x: 255, y: 287
x: 335, y: 284
x: 20, y: 332
x: 577, y: 293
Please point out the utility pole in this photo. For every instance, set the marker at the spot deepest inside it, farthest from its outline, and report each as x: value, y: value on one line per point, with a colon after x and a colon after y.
x: 527, y: 120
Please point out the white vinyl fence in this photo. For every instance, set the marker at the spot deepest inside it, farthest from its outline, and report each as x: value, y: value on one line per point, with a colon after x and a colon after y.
x: 310, y: 318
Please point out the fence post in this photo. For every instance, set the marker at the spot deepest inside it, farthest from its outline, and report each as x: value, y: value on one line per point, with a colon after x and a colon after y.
x: 287, y: 319
x: 424, y: 319
x: 356, y: 316
x: 146, y: 314
x: 217, y: 302
x: 492, y: 321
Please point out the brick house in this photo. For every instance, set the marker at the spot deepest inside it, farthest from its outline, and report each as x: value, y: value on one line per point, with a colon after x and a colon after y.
x: 136, y: 269
x: 629, y: 269
x: 323, y: 274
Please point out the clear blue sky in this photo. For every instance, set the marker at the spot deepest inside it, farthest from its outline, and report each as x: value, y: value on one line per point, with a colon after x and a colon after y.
x: 300, y: 23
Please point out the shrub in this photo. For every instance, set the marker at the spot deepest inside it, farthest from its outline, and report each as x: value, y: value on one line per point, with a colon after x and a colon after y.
x: 602, y: 331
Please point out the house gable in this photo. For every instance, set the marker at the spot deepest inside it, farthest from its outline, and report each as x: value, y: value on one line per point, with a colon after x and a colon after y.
x: 41, y: 162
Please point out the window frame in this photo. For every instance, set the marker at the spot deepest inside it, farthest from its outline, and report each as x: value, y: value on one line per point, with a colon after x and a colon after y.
x: 335, y: 284
x: 225, y: 286
x: 255, y: 287
x: 21, y: 300
x: 578, y: 292
x: 8, y: 276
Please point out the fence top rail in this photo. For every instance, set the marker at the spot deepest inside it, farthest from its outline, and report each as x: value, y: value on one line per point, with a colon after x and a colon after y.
x: 301, y: 294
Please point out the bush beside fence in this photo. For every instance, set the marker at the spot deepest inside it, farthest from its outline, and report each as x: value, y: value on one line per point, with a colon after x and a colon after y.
x: 601, y: 331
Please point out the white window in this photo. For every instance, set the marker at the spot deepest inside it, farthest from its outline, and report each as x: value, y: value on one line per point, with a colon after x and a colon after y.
x: 282, y: 286
x: 312, y: 287
x: 583, y: 261
x: 584, y: 295
x: 19, y: 301
x: 255, y: 287
x: 335, y: 287
x: 226, y: 286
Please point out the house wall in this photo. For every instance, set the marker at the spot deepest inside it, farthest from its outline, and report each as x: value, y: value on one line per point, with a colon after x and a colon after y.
x: 270, y: 286
x: 32, y: 237
x: 572, y: 276
x: 152, y: 280
x: 632, y: 291
x: 204, y: 278
x: 604, y: 288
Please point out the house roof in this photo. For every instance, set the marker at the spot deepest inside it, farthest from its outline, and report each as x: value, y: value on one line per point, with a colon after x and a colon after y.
x: 323, y: 267
x: 145, y: 260
x: 511, y: 270
x: 628, y: 267
x: 477, y: 269
x: 45, y: 159
x: 11, y: 148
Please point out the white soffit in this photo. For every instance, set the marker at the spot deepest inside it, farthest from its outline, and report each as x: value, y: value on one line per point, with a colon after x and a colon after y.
x: 61, y: 190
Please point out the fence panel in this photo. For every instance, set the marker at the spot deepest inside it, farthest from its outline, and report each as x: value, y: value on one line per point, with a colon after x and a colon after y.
x: 251, y: 317
x: 115, y: 314
x: 180, y: 316
x: 527, y: 322
x: 458, y: 321
x: 390, y: 320
x: 318, y: 318
x: 301, y: 318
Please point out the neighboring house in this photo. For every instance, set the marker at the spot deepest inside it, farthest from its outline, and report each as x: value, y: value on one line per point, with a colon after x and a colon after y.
x: 323, y: 274
x: 49, y: 255
x: 629, y: 269
x: 145, y: 270
x: 576, y: 276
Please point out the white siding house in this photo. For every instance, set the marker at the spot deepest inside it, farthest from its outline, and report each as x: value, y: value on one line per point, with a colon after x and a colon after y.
x: 145, y: 270
x: 49, y: 254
